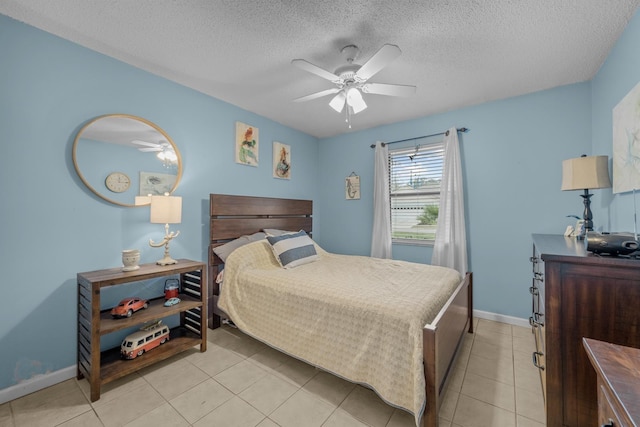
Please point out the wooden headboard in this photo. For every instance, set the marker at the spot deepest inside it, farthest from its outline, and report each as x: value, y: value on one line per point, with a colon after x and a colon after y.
x: 235, y: 216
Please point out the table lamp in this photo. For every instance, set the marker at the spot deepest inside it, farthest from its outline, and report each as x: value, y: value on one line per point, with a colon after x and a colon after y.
x: 584, y: 173
x: 166, y: 210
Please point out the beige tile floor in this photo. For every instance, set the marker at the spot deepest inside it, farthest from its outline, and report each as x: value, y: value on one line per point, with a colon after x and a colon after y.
x: 241, y: 382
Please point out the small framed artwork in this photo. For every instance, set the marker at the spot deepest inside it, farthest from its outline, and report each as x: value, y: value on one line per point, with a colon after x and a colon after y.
x: 352, y: 187
x: 156, y: 183
x: 281, y: 160
x: 246, y: 144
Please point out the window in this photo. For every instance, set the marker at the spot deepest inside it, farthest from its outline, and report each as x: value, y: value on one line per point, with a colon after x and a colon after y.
x: 415, y: 174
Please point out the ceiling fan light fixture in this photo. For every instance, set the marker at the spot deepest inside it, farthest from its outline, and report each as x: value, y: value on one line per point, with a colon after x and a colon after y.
x: 354, y: 99
x: 337, y: 103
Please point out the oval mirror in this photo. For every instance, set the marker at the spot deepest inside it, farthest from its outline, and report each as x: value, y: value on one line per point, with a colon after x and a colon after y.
x: 123, y: 158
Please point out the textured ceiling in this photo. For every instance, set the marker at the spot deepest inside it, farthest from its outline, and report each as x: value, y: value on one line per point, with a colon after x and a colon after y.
x: 458, y: 53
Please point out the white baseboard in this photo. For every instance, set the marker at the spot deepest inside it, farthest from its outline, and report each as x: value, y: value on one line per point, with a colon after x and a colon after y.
x: 47, y: 380
x: 517, y: 321
x: 38, y: 383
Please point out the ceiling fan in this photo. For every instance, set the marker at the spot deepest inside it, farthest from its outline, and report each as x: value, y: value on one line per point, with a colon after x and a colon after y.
x: 351, y: 79
x: 164, y: 149
x: 151, y: 146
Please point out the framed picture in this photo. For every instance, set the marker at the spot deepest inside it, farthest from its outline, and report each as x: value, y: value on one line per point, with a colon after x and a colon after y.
x: 352, y: 187
x: 626, y: 142
x: 155, y: 183
x: 246, y: 144
x: 281, y: 160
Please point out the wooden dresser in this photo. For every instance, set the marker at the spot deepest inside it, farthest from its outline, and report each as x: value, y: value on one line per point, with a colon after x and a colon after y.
x: 581, y: 295
x: 618, y: 372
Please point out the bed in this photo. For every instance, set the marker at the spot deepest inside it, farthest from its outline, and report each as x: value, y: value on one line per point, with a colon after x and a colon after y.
x: 414, y: 382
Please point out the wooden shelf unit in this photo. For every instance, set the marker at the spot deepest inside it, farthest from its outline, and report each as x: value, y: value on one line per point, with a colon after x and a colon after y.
x: 103, y: 367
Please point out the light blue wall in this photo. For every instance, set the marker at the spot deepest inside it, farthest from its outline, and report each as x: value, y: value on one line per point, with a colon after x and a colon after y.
x: 512, y: 160
x: 619, y: 74
x: 53, y: 227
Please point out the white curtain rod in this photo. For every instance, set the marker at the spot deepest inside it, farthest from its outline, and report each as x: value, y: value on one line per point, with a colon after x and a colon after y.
x: 462, y: 129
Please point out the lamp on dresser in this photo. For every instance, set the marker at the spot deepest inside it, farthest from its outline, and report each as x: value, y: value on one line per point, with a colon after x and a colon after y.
x: 584, y: 173
x: 166, y: 210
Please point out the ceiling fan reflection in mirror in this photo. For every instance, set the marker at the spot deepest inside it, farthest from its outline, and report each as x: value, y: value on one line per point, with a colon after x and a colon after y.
x: 351, y: 80
x: 164, y: 149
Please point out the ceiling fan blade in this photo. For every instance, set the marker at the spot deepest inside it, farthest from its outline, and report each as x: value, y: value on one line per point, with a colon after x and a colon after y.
x: 338, y: 101
x: 145, y: 143
x: 387, y: 89
x: 150, y: 149
x: 378, y: 61
x: 321, y: 72
x: 317, y: 95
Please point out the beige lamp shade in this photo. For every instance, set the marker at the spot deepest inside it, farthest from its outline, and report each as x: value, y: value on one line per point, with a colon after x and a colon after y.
x: 166, y: 209
x: 142, y: 200
x: 586, y: 172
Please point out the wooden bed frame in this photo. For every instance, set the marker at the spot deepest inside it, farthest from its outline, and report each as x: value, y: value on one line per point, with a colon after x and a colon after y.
x: 234, y: 216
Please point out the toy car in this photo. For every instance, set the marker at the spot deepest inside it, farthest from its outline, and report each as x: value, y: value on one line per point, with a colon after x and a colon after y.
x: 147, y: 338
x: 128, y: 306
x: 171, y: 301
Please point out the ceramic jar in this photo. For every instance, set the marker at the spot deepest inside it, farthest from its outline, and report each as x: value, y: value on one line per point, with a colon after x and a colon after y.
x: 130, y: 259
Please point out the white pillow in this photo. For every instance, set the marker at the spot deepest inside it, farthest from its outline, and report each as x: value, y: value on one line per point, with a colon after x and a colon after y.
x: 276, y: 232
x: 293, y: 249
x: 225, y: 250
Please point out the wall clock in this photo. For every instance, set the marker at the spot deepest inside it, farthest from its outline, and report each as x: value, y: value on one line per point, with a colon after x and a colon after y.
x: 117, y: 182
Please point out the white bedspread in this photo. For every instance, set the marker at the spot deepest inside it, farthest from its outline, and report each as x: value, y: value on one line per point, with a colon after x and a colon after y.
x: 358, y: 317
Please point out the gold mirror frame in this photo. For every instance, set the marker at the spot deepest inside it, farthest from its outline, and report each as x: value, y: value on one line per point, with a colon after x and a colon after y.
x: 130, y: 128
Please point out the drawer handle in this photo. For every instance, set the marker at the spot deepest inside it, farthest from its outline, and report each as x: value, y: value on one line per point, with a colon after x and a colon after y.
x: 534, y: 291
x: 537, y: 317
x: 535, y: 360
x: 611, y: 423
x: 535, y: 320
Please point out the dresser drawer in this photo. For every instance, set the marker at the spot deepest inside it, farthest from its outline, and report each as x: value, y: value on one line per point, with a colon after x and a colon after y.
x: 607, y: 413
x: 539, y: 358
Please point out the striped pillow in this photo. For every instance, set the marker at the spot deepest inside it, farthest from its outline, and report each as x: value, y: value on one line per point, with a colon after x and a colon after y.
x: 294, y: 249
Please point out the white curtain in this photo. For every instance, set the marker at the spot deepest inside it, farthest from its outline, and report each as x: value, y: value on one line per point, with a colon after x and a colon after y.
x: 450, y: 247
x: 381, y: 234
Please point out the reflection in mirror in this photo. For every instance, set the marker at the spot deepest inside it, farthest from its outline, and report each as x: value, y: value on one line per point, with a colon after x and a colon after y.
x: 119, y: 157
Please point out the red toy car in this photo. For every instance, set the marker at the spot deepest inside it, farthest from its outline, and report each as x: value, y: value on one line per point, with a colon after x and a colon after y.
x: 128, y: 306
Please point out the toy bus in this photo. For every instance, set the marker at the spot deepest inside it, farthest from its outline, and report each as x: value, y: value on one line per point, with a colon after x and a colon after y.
x: 147, y: 338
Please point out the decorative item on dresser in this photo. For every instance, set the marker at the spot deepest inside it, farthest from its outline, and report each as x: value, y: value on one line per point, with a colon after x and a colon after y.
x: 581, y: 295
x: 584, y: 173
x: 235, y: 216
x: 101, y: 367
x: 618, y: 371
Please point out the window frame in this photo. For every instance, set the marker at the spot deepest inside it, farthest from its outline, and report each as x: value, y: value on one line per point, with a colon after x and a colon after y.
x: 435, y: 149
